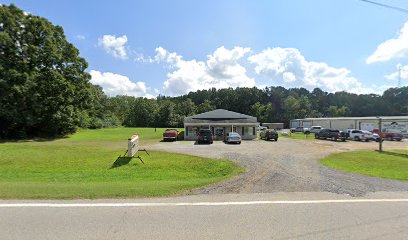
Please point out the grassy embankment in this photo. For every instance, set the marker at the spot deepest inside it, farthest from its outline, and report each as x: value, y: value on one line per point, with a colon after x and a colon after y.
x: 86, y: 165
x: 389, y: 164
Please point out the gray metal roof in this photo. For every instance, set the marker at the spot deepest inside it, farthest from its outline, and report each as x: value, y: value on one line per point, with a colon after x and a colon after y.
x: 220, y: 115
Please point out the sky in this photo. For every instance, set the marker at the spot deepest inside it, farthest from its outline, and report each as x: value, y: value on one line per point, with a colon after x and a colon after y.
x: 146, y: 48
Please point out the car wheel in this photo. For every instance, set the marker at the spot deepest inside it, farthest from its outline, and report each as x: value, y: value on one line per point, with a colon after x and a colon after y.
x: 398, y: 139
x: 333, y: 139
x: 316, y: 136
x: 276, y: 140
x: 343, y: 140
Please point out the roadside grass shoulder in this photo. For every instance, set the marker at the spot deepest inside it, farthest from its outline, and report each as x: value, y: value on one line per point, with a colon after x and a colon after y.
x: 82, y: 166
x: 388, y: 164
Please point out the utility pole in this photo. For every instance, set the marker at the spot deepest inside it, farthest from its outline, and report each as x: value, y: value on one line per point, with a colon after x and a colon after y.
x: 380, y: 128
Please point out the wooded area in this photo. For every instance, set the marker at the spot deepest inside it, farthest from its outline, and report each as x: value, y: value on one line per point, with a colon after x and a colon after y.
x: 46, y: 92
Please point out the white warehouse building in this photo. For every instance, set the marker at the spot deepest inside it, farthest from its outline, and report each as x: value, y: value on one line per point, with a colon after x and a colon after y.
x: 389, y: 123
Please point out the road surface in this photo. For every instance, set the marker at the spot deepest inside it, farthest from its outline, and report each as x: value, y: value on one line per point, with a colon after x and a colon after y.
x: 242, y: 216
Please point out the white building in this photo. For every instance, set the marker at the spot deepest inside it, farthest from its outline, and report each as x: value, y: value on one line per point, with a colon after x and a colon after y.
x: 389, y: 123
x: 220, y: 122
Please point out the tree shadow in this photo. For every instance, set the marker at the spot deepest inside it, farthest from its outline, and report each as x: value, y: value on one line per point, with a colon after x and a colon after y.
x: 38, y: 139
x: 404, y: 155
x: 120, y: 161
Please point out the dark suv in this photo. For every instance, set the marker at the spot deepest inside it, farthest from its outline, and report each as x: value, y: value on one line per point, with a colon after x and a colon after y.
x: 204, y: 136
x: 269, y: 134
x: 332, y: 134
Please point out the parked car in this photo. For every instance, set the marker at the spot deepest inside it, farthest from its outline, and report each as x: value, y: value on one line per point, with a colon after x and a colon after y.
x: 269, y: 134
x: 204, y: 136
x: 332, y: 134
x: 232, y: 137
x: 376, y: 137
x: 299, y: 129
x: 313, y: 129
x: 170, y: 134
x: 389, y: 135
x: 371, y: 136
x: 359, y: 135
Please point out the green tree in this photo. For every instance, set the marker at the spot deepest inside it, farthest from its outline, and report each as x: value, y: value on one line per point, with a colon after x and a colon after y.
x: 264, y: 113
x: 206, y: 106
x: 43, y: 83
x: 335, y: 111
x: 143, y: 113
x: 167, y: 117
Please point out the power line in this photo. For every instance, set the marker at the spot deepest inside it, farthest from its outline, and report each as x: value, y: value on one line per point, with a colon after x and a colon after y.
x: 387, y: 6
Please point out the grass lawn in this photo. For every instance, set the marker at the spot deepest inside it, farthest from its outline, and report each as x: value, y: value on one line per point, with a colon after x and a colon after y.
x: 86, y: 165
x: 389, y: 164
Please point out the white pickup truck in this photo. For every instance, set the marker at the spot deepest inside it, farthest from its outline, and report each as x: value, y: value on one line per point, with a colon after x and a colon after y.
x: 359, y: 135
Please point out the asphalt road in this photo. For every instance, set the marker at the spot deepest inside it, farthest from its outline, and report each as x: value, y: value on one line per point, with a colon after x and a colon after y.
x: 271, y: 216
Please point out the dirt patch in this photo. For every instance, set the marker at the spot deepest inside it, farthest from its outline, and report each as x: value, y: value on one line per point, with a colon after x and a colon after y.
x: 288, y: 166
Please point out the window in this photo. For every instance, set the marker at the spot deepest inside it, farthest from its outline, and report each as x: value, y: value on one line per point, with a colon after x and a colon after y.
x: 243, y: 131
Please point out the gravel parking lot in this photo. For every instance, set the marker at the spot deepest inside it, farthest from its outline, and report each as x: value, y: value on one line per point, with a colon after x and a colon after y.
x: 288, y: 166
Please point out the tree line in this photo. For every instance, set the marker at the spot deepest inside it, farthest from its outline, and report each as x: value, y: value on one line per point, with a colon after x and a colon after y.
x: 271, y: 104
x: 45, y: 91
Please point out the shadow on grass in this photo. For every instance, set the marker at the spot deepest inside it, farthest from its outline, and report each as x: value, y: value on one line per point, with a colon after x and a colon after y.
x: 43, y: 139
x: 120, y: 161
x: 404, y: 155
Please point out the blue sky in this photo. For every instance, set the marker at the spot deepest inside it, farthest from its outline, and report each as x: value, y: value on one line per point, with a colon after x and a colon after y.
x: 144, y: 48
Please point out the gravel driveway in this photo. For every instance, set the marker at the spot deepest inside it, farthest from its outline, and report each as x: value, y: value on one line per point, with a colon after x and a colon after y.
x: 288, y: 166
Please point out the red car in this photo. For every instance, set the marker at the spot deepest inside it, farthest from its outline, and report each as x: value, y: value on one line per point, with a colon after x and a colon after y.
x: 389, y: 135
x: 170, y: 134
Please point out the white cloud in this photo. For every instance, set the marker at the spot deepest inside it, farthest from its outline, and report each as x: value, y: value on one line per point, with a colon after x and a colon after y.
x: 221, y: 70
x: 116, y: 84
x: 288, y: 67
x: 392, y: 48
x: 114, y: 45
x: 80, y: 37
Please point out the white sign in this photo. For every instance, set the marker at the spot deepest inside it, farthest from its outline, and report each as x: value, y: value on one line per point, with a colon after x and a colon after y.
x: 133, y: 145
x: 395, y: 127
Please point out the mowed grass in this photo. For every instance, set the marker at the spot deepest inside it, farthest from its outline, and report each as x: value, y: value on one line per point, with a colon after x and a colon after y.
x: 389, y: 164
x: 82, y: 166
